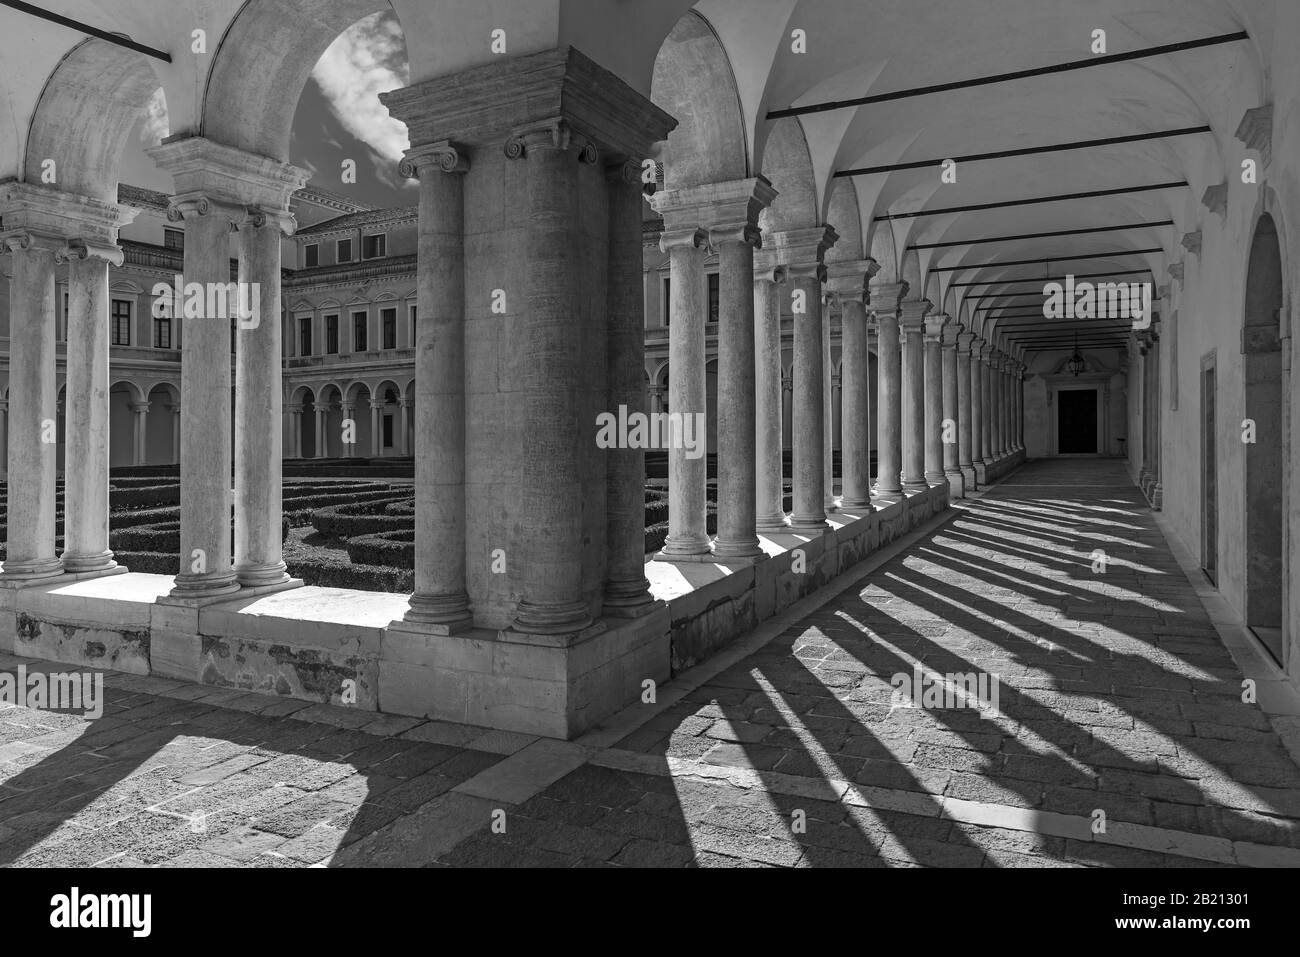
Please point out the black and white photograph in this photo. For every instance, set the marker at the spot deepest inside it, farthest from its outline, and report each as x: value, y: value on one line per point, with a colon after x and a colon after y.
x: 644, y: 434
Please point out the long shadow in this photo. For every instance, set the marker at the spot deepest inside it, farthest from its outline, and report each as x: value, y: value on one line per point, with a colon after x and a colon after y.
x: 210, y: 771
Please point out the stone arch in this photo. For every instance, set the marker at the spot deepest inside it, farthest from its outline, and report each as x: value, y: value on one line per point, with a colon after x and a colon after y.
x: 788, y: 166
x: 845, y: 216
x: 885, y: 252
x: 86, y: 111
x: 693, y: 80
x: 122, y: 395
x: 1261, y: 345
x: 360, y: 396
x: 262, y: 63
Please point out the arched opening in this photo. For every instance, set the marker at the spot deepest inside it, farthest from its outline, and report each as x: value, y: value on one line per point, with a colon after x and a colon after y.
x: 162, y: 426
x: 121, y: 426
x: 1261, y: 345
x: 306, y: 439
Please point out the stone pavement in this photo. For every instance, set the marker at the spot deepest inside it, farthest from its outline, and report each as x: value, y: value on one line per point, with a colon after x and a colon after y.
x: 1120, y: 736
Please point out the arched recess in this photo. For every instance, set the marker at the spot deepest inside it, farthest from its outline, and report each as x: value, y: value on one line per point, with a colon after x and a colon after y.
x: 161, y: 427
x: 262, y: 64
x: 122, y: 396
x: 787, y: 164
x: 693, y: 81
x: 87, y: 109
x: 1261, y: 346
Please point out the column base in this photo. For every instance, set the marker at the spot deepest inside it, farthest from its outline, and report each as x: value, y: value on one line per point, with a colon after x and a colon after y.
x: 437, y: 615
x: 747, y: 552
x: 560, y: 639
x: 31, y: 570
x: 258, y: 576
x: 685, y: 548
x: 204, y: 587
x: 809, y: 524
x: 916, y: 486
x: 628, y: 599
x: 968, y: 483
x: 76, y: 564
x: 774, y: 524
x: 956, y: 483
x: 934, y: 478
x: 856, y: 504
x: 551, y: 618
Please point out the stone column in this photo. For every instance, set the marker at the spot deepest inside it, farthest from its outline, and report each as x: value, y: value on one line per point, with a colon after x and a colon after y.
x: 768, y: 413
x: 259, y: 397
x: 404, y: 440
x: 1020, y: 407
x: 809, y: 502
x: 934, y: 411
x: 995, y: 405
x: 440, y: 603
x: 986, y: 404
x: 912, y: 322
x: 294, y: 414
x: 549, y: 568
x: 889, y: 387
x: 950, y: 428
x: 967, y: 401
x: 828, y: 406
x: 688, y: 538
x: 216, y: 187
x: 139, y: 432
x: 737, y: 538
x: 1008, y: 443
x: 848, y: 281
x: 322, y: 431
x: 376, y: 433
x: 33, y: 401
x: 176, y: 434
x: 627, y: 592
x: 4, y: 440
x: 85, y: 471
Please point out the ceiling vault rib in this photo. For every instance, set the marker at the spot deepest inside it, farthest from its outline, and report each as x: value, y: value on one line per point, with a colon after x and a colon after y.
x: 87, y: 29
x: 1066, y: 67
x: 1026, y: 151
x: 1060, y: 197
x: 1009, y: 282
x: 1051, y: 259
x: 1049, y: 235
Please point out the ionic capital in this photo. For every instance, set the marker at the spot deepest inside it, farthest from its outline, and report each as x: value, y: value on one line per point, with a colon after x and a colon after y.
x: 773, y: 274
x: 692, y: 237
x: 259, y: 217
x: 745, y: 234
x: 81, y: 249
x: 25, y: 240
x: 555, y: 133
x: 443, y: 156
x: 806, y: 270
x: 912, y: 312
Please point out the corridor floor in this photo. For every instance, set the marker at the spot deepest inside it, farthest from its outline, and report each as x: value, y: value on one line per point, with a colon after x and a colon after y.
x: 1120, y: 736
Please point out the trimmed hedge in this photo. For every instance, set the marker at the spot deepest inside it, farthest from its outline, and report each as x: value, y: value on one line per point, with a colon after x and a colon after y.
x: 361, y: 518
x: 395, y: 549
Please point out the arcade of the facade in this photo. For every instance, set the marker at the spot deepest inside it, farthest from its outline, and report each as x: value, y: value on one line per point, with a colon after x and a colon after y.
x: 535, y: 607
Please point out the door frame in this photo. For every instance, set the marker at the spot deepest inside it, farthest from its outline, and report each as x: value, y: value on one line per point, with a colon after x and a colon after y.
x: 1098, y: 382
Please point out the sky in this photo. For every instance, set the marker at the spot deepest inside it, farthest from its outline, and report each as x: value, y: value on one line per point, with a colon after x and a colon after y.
x: 339, y: 118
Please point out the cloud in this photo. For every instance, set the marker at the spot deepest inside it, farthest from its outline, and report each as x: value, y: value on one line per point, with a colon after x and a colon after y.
x: 367, y: 59
x: 154, y: 124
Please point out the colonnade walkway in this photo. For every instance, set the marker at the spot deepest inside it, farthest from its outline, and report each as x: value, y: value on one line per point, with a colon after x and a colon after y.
x: 1120, y: 736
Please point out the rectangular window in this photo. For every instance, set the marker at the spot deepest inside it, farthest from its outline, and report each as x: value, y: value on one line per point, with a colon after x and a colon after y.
x: 411, y: 342
x: 388, y: 431
x: 372, y: 247
x: 173, y: 238
x: 344, y: 250
x: 121, y: 322
x: 162, y: 332
x: 332, y: 335
x: 311, y: 255
x: 304, y: 336
x: 667, y: 300
x: 714, y: 283
x: 63, y: 331
x: 359, y: 320
x: 388, y: 317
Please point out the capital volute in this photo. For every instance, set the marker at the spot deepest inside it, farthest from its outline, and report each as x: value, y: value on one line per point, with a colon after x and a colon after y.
x: 25, y: 240
x: 258, y: 217
x: 192, y: 206
x: 625, y: 171
x: 691, y: 237
x: 553, y: 134
x: 82, y: 249
x: 745, y: 234
x: 773, y: 274
x: 443, y: 156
